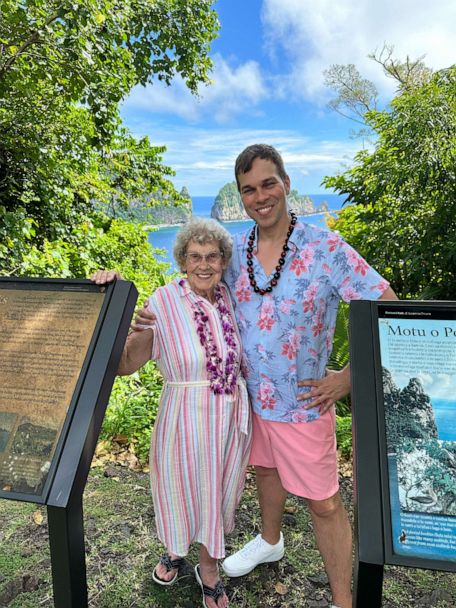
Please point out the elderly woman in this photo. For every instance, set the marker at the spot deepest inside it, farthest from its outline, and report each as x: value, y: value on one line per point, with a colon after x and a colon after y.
x: 201, y: 436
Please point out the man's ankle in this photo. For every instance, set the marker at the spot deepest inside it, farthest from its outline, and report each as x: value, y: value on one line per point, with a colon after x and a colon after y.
x: 271, y: 539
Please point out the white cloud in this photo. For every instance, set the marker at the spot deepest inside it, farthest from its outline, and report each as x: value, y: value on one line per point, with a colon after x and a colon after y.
x: 204, y: 158
x: 317, y: 34
x: 233, y: 89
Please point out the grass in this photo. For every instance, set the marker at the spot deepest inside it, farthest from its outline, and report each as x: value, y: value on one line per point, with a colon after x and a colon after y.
x: 122, y: 550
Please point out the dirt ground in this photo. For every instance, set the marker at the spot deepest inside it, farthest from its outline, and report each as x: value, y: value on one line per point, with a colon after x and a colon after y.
x: 122, y: 550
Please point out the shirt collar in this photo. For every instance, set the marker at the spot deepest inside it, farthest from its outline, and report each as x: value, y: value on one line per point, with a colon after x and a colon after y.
x: 293, y: 240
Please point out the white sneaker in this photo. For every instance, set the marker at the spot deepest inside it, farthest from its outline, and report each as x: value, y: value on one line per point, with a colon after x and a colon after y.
x: 255, y: 552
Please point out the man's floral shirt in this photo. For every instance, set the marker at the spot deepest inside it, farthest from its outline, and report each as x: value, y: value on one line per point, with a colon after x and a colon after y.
x: 287, y: 334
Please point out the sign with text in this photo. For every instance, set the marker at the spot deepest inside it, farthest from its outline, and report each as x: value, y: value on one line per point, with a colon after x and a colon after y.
x: 403, y: 359
x: 61, y: 343
x: 45, y: 340
x: 418, y: 361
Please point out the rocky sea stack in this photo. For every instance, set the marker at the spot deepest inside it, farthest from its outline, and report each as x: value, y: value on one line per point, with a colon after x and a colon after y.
x: 228, y: 205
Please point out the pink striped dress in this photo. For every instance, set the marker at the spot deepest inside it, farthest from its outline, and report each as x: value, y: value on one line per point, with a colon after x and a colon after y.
x: 201, y: 441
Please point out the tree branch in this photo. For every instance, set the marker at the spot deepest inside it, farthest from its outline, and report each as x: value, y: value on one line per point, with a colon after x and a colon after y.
x: 33, y: 39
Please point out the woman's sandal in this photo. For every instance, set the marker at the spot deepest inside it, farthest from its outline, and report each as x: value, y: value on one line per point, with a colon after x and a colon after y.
x: 170, y: 564
x: 214, y: 592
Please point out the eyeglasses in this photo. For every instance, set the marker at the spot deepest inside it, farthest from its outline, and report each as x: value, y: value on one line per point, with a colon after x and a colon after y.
x: 212, y: 258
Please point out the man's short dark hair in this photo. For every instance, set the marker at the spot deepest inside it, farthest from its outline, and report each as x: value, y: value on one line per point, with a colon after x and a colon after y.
x: 264, y: 151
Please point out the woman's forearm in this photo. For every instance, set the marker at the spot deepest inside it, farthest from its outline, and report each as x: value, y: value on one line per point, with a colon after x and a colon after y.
x: 137, y: 351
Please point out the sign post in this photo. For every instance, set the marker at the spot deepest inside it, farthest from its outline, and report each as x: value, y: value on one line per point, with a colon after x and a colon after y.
x: 403, y: 365
x: 61, y: 346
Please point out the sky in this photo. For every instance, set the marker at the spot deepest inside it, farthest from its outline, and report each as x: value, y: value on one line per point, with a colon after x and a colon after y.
x: 268, y: 85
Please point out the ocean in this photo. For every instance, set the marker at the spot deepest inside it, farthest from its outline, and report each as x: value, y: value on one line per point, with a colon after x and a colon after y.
x: 163, y: 238
x: 445, y: 418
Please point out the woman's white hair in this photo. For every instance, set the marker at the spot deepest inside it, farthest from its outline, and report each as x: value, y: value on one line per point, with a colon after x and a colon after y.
x: 202, y: 231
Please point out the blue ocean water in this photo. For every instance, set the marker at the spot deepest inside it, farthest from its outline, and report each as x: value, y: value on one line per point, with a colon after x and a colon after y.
x: 445, y: 418
x: 163, y: 238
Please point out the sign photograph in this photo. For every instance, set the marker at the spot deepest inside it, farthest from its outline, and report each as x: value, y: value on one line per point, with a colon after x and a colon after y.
x: 418, y: 367
x: 46, y: 333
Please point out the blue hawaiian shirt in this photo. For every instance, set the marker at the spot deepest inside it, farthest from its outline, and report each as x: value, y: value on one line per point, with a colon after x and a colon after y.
x: 287, y: 334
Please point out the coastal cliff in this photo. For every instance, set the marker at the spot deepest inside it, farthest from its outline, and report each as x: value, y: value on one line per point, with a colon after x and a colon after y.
x: 168, y: 213
x: 228, y: 205
x: 163, y: 212
x: 426, y: 466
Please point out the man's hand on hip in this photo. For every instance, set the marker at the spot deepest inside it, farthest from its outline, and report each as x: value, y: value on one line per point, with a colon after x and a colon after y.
x: 325, y: 392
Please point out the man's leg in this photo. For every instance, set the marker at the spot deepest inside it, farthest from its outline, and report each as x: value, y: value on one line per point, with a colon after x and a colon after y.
x: 334, y: 540
x: 267, y: 546
x: 272, y: 497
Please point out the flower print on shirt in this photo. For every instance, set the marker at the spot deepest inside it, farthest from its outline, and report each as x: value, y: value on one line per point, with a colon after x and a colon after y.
x: 302, y: 415
x: 266, y: 320
x: 288, y: 333
x: 290, y: 347
x: 265, y: 323
x: 317, y: 324
x: 309, y: 297
x: 266, y: 394
x: 242, y: 286
x: 333, y: 242
x: 356, y: 261
x: 286, y: 304
x: 267, y: 306
x: 302, y: 262
x: 382, y: 286
x: 349, y: 294
x: 326, y: 268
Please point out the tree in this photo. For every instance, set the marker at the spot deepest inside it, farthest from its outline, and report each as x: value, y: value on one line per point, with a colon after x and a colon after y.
x: 402, y: 215
x: 64, y: 68
x: 355, y: 95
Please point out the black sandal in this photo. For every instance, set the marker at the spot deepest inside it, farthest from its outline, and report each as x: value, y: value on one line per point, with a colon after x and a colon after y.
x: 214, y: 592
x: 170, y: 564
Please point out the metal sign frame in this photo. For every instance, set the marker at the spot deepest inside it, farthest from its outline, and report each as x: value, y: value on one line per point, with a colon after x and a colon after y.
x: 373, y: 519
x: 63, y: 493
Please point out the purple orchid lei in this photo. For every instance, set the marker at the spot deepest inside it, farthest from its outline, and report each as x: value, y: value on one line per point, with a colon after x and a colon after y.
x: 222, y: 378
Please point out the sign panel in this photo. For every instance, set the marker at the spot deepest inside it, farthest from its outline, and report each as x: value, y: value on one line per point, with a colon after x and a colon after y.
x: 46, y: 331
x: 417, y: 350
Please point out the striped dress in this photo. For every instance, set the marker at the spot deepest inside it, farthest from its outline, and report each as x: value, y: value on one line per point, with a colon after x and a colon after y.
x: 201, y: 441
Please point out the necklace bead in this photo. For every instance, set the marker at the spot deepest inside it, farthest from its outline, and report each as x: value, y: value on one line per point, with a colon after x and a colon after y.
x: 276, y: 276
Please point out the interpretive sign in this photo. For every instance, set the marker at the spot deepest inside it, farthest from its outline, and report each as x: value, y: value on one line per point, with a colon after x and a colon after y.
x: 418, y: 359
x: 403, y: 360
x: 61, y: 342
x: 46, y: 336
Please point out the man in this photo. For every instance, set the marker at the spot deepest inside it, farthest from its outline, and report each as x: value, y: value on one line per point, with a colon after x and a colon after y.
x: 286, y: 279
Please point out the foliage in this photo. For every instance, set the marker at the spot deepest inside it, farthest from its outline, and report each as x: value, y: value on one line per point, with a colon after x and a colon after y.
x: 133, y: 407
x: 355, y: 94
x: 344, y: 435
x: 340, y: 354
x: 168, y: 210
x: 64, y: 69
x: 68, y: 169
x: 407, y: 74
x: 403, y: 216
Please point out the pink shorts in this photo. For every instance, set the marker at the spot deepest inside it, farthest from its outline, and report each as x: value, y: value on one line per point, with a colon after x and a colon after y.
x: 304, y: 454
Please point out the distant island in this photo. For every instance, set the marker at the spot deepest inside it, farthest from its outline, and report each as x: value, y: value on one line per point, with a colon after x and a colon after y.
x: 163, y: 212
x: 228, y: 206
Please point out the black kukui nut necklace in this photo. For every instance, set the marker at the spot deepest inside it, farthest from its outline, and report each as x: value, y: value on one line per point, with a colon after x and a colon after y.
x: 278, y: 269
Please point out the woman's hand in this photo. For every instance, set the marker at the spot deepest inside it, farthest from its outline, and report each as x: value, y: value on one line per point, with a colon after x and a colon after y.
x: 101, y: 277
